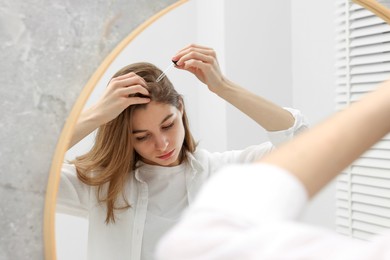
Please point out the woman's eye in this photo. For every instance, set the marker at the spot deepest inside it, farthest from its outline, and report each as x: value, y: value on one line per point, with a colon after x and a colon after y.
x: 168, y: 126
x: 141, y: 138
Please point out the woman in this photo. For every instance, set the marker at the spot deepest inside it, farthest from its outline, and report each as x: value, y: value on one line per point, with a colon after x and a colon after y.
x: 144, y: 168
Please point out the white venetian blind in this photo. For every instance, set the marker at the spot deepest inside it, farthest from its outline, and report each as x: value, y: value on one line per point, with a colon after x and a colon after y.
x: 363, y: 61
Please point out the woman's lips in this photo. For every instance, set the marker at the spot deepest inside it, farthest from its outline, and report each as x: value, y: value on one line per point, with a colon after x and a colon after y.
x: 166, y: 156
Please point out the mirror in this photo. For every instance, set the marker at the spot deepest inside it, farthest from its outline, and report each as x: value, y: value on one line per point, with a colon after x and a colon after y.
x: 269, y: 54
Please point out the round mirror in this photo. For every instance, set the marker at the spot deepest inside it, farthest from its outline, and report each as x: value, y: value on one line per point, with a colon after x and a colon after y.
x: 266, y: 53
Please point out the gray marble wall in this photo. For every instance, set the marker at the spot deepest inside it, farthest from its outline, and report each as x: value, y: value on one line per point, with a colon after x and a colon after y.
x: 49, y: 49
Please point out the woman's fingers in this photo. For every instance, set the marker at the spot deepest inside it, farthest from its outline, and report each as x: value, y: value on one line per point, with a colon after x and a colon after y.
x: 194, y: 46
x: 205, y: 58
x: 138, y: 100
x: 126, y: 80
x: 135, y: 90
x: 136, y: 95
x: 194, y: 52
x: 191, y: 59
x: 129, y: 86
x: 123, y: 91
x: 195, y: 64
x: 202, y: 62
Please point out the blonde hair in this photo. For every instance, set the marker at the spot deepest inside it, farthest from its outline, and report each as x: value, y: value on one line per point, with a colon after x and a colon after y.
x: 112, y: 159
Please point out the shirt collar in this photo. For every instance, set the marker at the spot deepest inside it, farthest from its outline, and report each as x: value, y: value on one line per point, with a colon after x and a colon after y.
x: 195, y: 165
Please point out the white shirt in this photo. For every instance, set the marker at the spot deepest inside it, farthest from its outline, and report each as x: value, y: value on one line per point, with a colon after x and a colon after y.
x: 167, y: 200
x: 258, y: 221
x: 125, y: 239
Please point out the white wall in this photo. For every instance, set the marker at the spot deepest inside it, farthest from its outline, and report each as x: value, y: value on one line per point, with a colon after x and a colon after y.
x: 210, y: 31
x: 258, y: 57
x: 276, y: 49
x: 313, y: 59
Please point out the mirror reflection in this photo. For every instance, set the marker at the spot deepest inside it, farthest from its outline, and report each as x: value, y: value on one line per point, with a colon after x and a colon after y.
x: 142, y: 149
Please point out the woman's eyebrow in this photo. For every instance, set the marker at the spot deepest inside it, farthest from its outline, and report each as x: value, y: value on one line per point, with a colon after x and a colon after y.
x: 162, y: 122
x: 166, y: 118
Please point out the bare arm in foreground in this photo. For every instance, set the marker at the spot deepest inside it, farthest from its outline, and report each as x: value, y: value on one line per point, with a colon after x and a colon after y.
x: 258, y: 219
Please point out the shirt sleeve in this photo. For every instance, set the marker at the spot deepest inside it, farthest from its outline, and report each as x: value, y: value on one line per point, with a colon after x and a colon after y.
x: 73, y: 195
x: 300, y: 124
x: 251, y: 212
x: 217, y: 160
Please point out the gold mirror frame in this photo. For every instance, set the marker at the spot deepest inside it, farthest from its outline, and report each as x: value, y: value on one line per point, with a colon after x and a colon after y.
x: 67, y: 132
x: 375, y: 7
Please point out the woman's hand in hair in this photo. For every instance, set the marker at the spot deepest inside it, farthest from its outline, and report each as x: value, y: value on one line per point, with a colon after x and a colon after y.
x: 121, y: 92
x: 202, y: 62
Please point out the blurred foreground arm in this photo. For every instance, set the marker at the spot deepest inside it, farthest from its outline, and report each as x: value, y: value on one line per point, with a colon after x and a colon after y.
x: 258, y: 219
x: 323, y: 152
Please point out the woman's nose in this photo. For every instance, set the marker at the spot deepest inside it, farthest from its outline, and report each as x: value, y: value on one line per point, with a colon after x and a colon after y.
x: 161, y: 142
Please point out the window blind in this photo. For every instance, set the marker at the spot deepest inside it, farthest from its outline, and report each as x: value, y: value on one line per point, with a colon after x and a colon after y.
x: 362, y: 62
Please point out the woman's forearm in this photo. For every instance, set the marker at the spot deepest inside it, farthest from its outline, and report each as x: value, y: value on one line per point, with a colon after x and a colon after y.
x: 202, y: 62
x: 318, y: 155
x: 267, y: 114
x: 86, y: 124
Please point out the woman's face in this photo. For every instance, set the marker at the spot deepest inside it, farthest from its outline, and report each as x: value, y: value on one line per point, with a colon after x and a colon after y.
x: 158, y: 133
